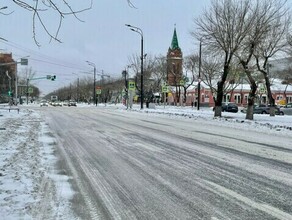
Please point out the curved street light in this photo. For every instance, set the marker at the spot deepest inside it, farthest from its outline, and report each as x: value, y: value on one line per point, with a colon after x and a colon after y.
x: 140, y: 32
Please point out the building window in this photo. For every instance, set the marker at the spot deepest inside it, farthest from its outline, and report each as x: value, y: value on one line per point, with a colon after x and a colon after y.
x: 245, y: 98
x: 226, y: 98
x: 237, y: 98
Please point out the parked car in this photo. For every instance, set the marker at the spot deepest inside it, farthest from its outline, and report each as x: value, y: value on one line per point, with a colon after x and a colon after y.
x: 264, y: 109
x: 287, y: 109
x: 228, y: 107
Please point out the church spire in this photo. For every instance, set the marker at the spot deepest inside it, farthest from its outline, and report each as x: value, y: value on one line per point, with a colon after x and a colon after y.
x: 174, y: 42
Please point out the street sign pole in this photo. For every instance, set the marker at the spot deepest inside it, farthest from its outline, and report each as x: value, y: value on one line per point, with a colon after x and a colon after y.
x: 131, y: 91
x: 164, y: 91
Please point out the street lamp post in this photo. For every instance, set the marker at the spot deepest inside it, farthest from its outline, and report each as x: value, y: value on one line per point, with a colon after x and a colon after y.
x: 125, y: 74
x: 94, y: 79
x: 199, y: 80
x: 139, y: 31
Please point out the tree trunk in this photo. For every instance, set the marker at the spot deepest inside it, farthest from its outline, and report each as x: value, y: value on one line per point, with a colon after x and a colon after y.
x: 219, y: 98
x: 220, y: 88
x: 251, y: 96
x: 270, y: 96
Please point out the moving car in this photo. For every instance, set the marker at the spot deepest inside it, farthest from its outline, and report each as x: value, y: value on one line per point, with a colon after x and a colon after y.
x: 72, y: 103
x: 44, y: 103
x: 56, y: 103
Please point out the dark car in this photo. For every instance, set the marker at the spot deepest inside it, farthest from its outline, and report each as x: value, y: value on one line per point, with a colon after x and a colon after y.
x: 265, y: 109
x: 228, y: 107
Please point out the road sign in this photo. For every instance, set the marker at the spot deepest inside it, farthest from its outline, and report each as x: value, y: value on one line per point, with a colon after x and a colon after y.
x: 262, y: 89
x: 30, y: 90
x: 165, y: 88
x: 98, y: 90
x: 131, y: 86
x: 182, y: 82
x: 24, y: 61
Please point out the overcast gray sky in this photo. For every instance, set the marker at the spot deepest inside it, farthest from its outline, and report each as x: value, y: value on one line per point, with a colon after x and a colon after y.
x: 102, y: 38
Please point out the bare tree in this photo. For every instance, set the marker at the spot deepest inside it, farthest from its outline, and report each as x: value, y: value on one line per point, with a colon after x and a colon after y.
x: 223, y: 27
x: 149, y: 66
x: 190, y: 65
x: 131, y: 4
x: 159, y: 71
x: 60, y: 9
x: 39, y: 10
x: 246, y: 52
x: 273, y: 42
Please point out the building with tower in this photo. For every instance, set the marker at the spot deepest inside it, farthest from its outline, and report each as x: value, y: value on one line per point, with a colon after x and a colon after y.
x: 174, y: 62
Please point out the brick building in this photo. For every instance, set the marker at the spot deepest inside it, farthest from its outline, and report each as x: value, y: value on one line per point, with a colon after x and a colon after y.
x: 174, y: 62
x: 281, y: 93
x: 6, y: 83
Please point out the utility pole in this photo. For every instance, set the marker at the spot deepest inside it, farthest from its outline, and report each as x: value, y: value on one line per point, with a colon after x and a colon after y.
x: 27, y: 82
x: 77, y: 90
x: 94, y: 83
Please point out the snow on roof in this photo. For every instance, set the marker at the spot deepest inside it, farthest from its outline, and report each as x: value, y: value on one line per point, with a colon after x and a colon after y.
x: 276, y: 86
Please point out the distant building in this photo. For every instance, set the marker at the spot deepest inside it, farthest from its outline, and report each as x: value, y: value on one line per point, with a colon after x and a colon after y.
x: 281, y: 93
x: 7, y: 75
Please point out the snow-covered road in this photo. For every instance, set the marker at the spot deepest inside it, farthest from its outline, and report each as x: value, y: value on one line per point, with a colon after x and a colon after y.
x: 130, y: 165
x: 174, y: 163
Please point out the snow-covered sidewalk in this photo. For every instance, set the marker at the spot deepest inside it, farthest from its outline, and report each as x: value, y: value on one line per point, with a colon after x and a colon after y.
x: 30, y: 187
x: 281, y: 124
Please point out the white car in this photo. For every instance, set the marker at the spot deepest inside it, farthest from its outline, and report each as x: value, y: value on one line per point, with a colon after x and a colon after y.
x: 44, y: 103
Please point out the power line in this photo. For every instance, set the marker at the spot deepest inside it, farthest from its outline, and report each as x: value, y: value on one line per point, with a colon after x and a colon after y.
x: 38, y: 54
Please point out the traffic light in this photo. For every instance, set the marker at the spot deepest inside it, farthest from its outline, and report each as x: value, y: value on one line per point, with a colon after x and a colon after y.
x: 53, y: 77
x: 9, y: 93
